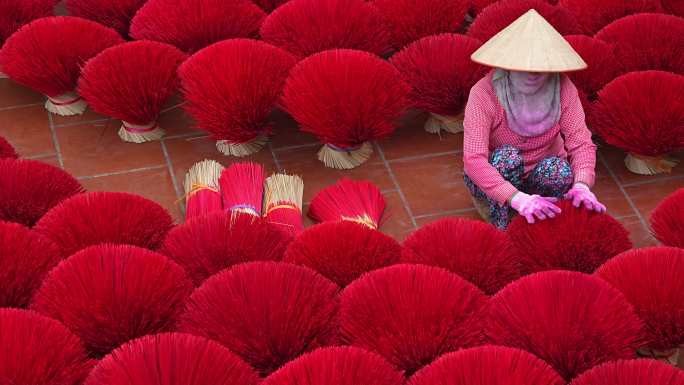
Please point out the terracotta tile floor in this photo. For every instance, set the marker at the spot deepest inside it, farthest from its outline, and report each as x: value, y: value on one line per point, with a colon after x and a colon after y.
x: 420, y: 174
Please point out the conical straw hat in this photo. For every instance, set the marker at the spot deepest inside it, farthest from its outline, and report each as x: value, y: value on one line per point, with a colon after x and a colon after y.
x: 529, y: 44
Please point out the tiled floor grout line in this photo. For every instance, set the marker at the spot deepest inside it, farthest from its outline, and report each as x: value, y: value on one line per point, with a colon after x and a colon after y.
x: 393, y: 177
x: 192, y: 135
x: 424, y: 156
x: 169, y: 167
x: 71, y: 124
x: 624, y: 192
x: 275, y: 158
x: 21, y: 106
x: 448, y: 212
x: 131, y: 171
x: 295, y: 147
x: 643, y: 182
x: 40, y: 156
x: 55, y: 141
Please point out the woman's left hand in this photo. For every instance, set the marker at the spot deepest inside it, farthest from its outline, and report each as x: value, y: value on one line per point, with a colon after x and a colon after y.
x: 580, y: 194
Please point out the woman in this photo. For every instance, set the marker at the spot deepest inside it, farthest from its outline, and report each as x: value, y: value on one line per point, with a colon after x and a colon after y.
x: 526, y: 143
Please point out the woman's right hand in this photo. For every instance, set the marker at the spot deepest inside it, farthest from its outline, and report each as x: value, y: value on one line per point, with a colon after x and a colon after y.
x: 531, y: 206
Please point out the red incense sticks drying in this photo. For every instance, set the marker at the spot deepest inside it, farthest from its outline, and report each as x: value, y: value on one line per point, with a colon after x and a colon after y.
x: 47, y: 55
x: 349, y: 200
x: 242, y: 188
x: 116, y: 14
x: 202, y: 194
x: 667, y: 220
x: 283, y: 202
x: 231, y: 88
x: 132, y: 82
x: 347, y: 98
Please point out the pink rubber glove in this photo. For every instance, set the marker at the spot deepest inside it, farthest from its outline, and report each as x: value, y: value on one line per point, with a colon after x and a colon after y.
x: 580, y: 195
x: 531, y: 206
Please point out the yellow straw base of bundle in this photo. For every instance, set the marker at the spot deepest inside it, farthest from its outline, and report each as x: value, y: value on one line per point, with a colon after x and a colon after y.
x: 140, y: 137
x: 69, y: 104
x: 242, y: 149
x: 3, y: 76
x: 345, y: 160
x: 643, y: 165
x: 437, y: 123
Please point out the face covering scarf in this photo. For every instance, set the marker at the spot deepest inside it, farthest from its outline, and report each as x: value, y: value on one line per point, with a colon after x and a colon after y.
x: 531, y: 101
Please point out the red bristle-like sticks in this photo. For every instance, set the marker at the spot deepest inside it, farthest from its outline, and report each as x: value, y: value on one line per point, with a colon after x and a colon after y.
x: 25, y: 258
x: 410, y: 20
x: 39, y: 350
x: 269, y: 5
x: 29, y: 188
x: 487, y: 365
x: 283, y: 195
x: 667, y: 220
x: 172, y: 359
x: 638, y: 41
x: 192, y: 25
x: 242, y: 188
x: 6, y: 149
x: 643, y: 114
x: 651, y: 281
x: 478, y: 5
x: 105, y: 217
x: 600, y: 57
x: 349, y: 200
x: 346, y: 98
x: 337, y: 366
x: 110, y: 294
x: 47, y: 55
x: 267, y: 312
x: 202, y: 193
x: 571, y: 320
x: 411, y: 314
x: 578, y: 239
x: 472, y: 249
x: 674, y: 7
x: 305, y: 27
x: 231, y: 88
x: 132, y: 82
x: 592, y: 16
x: 499, y: 15
x: 206, y: 245
x: 115, y: 14
x: 15, y: 13
x: 631, y: 372
x: 440, y: 73
x: 343, y: 251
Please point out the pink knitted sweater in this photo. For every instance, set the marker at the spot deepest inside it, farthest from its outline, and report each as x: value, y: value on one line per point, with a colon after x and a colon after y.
x: 486, y: 129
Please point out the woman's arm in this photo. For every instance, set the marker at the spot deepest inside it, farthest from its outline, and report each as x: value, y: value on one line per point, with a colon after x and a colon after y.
x: 477, y: 123
x: 581, y: 149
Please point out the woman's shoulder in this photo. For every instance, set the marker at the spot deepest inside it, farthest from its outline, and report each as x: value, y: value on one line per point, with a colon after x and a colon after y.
x: 483, y: 90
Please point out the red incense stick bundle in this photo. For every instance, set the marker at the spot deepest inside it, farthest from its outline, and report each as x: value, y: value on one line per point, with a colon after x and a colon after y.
x: 39, y: 350
x: 192, y: 25
x: 132, y: 82
x: 440, y: 73
x: 29, y: 188
x: 15, y: 13
x: 667, y: 220
x: 337, y: 366
x: 283, y: 202
x: 172, y: 359
x: 642, y: 113
x: 347, y: 98
x: 305, y: 27
x: 349, y: 200
x: 603, y: 65
x: 116, y: 14
x: 499, y: 15
x: 110, y: 294
x: 268, y: 313
x: 202, y: 194
x: 242, y: 188
x: 410, y: 20
x: 47, y: 55
x: 631, y: 372
x: 639, y: 42
x: 487, y: 365
x: 231, y: 89
x: 592, y: 16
